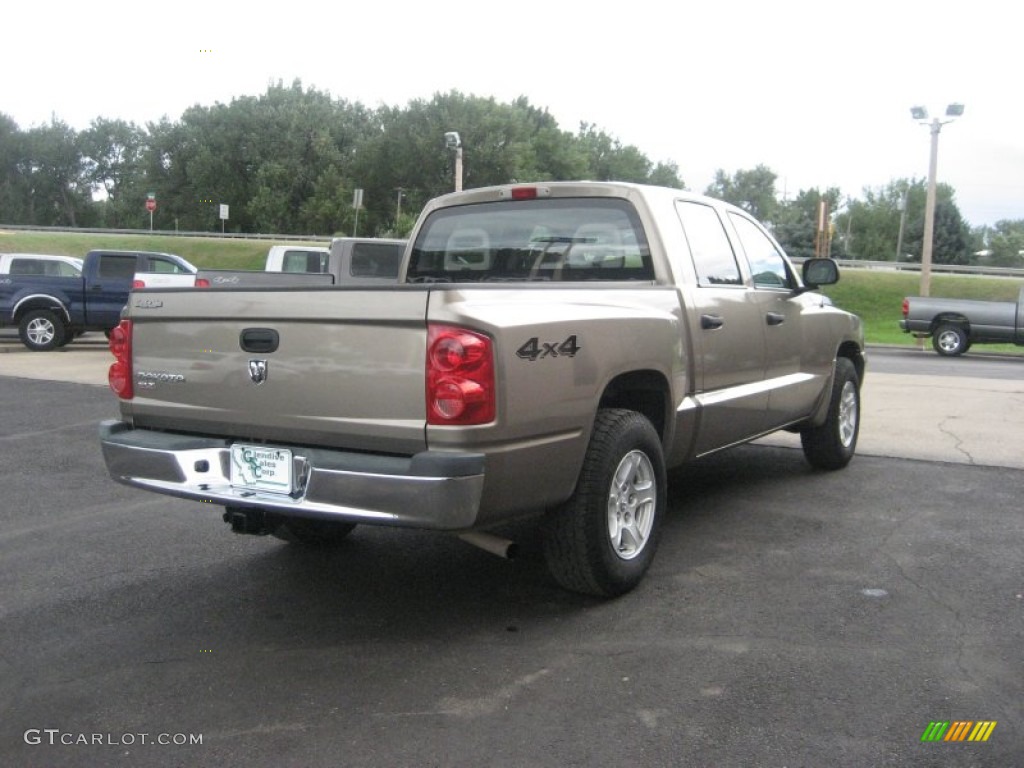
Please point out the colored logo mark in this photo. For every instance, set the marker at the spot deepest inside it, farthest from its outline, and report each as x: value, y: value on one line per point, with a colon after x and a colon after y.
x: 958, y: 730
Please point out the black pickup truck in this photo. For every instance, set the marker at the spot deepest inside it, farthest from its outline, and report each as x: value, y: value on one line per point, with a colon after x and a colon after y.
x: 50, y: 310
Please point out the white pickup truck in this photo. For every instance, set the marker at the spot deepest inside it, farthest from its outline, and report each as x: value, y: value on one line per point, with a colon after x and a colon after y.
x: 351, y: 260
x: 549, y: 350
x: 40, y: 264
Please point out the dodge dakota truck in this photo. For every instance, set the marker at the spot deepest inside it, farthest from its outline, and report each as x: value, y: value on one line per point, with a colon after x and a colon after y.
x: 51, y: 309
x: 549, y: 351
x: 955, y: 324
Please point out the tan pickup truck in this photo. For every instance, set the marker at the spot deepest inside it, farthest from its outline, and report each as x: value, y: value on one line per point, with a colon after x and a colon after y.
x: 550, y: 350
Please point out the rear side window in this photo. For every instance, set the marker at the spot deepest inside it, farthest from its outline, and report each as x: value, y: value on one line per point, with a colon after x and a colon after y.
x: 48, y: 267
x: 28, y: 267
x: 712, y: 254
x: 562, y: 240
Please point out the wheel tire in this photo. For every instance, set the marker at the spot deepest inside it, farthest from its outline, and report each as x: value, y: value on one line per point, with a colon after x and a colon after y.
x: 315, y: 533
x: 41, y: 330
x: 950, y: 340
x: 832, y: 445
x: 603, y: 539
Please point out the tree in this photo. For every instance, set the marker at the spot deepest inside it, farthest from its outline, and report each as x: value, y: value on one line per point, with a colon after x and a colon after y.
x: 753, y: 191
x: 14, y: 184
x: 1006, y: 243
x: 796, y: 224
x: 951, y: 235
x: 283, y: 161
x: 112, y: 152
x: 869, y: 228
x: 59, y: 190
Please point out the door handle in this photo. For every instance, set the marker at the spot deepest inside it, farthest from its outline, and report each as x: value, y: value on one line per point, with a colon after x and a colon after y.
x: 711, y: 322
x: 774, y: 318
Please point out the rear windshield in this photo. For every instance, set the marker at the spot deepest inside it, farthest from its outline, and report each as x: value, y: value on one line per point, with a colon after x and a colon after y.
x: 304, y: 261
x: 567, y: 239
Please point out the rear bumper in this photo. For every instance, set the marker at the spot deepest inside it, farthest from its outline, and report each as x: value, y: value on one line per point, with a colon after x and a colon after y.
x: 432, y: 490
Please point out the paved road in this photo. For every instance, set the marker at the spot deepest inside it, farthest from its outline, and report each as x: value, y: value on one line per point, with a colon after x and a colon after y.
x: 792, y: 618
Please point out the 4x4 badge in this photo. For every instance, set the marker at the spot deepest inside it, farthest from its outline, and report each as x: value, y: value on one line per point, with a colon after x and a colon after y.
x: 258, y: 371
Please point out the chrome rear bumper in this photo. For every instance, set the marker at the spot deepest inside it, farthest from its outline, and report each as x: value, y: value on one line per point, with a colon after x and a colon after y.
x: 433, y: 490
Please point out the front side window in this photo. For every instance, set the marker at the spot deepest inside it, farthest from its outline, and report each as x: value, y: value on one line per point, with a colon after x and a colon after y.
x: 564, y: 239
x: 767, y: 265
x: 712, y: 254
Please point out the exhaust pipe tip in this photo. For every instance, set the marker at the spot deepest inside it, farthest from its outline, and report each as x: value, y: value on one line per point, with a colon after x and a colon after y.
x: 488, y: 542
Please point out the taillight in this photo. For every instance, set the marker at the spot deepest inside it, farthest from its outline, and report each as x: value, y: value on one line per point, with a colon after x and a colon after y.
x: 120, y: 374
x: 136, y: 283
x: 460, y: 376
x: 906, y: 307
x: 202, y: 282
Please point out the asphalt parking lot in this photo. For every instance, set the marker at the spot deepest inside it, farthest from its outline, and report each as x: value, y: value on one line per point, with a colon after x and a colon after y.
x: 792, y: 618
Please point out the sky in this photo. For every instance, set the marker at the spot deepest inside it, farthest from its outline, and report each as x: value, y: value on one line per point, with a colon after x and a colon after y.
x: 819, y: 92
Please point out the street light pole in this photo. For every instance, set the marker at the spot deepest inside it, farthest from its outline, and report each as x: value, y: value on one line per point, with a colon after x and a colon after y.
x: 921, y: 115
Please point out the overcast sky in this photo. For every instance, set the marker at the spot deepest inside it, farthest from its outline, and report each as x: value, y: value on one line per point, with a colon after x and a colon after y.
x: 820, y: 92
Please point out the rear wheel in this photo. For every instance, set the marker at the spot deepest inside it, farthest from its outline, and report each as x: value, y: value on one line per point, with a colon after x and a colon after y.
x: 950, y: 340
x: 318, y: 533
x: 41, y: 330
x: 603, y: 539
x: 832, y: 445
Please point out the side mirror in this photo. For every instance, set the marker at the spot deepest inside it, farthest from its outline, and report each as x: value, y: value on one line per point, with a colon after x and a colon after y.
x: 817, y: 272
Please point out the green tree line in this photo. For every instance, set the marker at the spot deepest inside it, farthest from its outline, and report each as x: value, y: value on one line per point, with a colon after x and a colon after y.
x: 289, y: 161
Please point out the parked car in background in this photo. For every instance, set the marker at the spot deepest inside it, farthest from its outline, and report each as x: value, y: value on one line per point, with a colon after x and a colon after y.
x: 51, y: 310
x: 165, y: 273
x: 40, y: 264
x: 297, y: 258
x: 352, y: 260
x: 348, y: 261
x: 355, y: 261
x: 955, y: 324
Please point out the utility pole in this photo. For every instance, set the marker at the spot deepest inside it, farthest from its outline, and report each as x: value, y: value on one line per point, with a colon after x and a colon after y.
x: 920, y: 114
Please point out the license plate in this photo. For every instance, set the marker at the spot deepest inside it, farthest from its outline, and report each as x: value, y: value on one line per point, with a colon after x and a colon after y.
x: 261, y: 468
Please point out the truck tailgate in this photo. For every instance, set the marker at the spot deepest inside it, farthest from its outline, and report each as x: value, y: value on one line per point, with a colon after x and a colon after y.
x: 334, y: 367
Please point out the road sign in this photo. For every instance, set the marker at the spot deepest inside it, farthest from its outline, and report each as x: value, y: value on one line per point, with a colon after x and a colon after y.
x: 151, y: 205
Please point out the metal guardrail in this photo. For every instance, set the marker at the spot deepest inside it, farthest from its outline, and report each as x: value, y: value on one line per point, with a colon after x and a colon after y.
x: 168, y: 233
x: 952, y: 269
x: 909, y: 266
